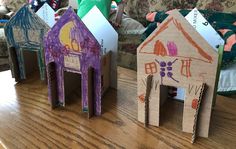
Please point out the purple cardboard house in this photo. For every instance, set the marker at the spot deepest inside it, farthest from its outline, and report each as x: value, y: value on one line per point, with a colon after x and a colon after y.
x: 70, y: 47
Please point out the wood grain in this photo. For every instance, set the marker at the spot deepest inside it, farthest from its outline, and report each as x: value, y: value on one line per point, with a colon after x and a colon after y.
x: 27, y: 120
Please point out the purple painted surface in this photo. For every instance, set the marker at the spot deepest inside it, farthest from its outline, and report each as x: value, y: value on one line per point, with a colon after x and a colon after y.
x: 70, y: 37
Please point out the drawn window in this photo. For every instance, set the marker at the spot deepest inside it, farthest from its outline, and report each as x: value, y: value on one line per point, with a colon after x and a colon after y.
x: 18, y: 35
x: 34, y: 35
x: 150, y: 68
x: 72, y: 62
x: 185, y: 69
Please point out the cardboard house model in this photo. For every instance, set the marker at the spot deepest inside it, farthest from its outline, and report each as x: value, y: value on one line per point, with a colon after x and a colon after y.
x: 176, y: 55
x: 24, y: 33
x: 71, y: 48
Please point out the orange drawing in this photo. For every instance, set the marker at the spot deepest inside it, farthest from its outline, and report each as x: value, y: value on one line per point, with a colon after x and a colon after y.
x: 185, y: 68
x: 141, y: 98
x: 195, y: 103
x: 162, y: 28
x: 150, y: 68
x: 188, y: 37
x: 159, y: 48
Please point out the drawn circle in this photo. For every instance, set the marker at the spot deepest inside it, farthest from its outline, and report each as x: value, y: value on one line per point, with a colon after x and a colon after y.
x: 163, y: 64
x: 162, y: 74
x: 163, y: 69
x: 169, y: 74
x: 169, y: 63
x: 169, y: 68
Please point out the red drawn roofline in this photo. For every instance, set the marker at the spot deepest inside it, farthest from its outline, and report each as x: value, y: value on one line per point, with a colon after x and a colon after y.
x: 186, y: 35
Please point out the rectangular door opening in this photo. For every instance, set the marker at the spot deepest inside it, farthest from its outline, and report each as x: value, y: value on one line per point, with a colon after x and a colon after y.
x: 72, y: 89
x: 31, y: 64
x: 171, y: 109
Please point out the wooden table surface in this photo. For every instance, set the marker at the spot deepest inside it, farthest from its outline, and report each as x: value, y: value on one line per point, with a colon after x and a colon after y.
x: 26, y: 120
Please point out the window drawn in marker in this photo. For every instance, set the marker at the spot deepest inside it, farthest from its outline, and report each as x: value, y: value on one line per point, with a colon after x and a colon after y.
x: 150, y: 68
x: 185, y: 68
x: 166, y: 69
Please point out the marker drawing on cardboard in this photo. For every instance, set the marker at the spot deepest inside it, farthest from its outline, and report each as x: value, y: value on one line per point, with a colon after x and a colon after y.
x: 204, y: 28
x: 24, y: 33
x: 71, y: 47
x: 47, y: 14
x: 176, y: 55
x: 107, y: 37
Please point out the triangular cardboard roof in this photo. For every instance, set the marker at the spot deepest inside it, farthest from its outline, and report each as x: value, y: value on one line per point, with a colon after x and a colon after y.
x: 26, y: 19
x: 47, y: 14
x: 80, y: 34
x: 178, y: 28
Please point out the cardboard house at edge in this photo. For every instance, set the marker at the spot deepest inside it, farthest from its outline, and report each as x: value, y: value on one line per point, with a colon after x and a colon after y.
x: 24, y: 33
x: 176, y: 55
x: 70, y: 50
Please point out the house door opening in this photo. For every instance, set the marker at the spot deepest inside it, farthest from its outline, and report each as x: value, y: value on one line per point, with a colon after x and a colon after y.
x: 15, y: 63
x: 171, y: 108
x: 31, y: 64
x: 91, y: 93
x: 72, y: 89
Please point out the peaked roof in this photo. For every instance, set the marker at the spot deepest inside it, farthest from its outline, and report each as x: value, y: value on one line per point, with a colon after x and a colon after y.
x: 185, y: 29
x: 26, y: 19
x: 80, y: 32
